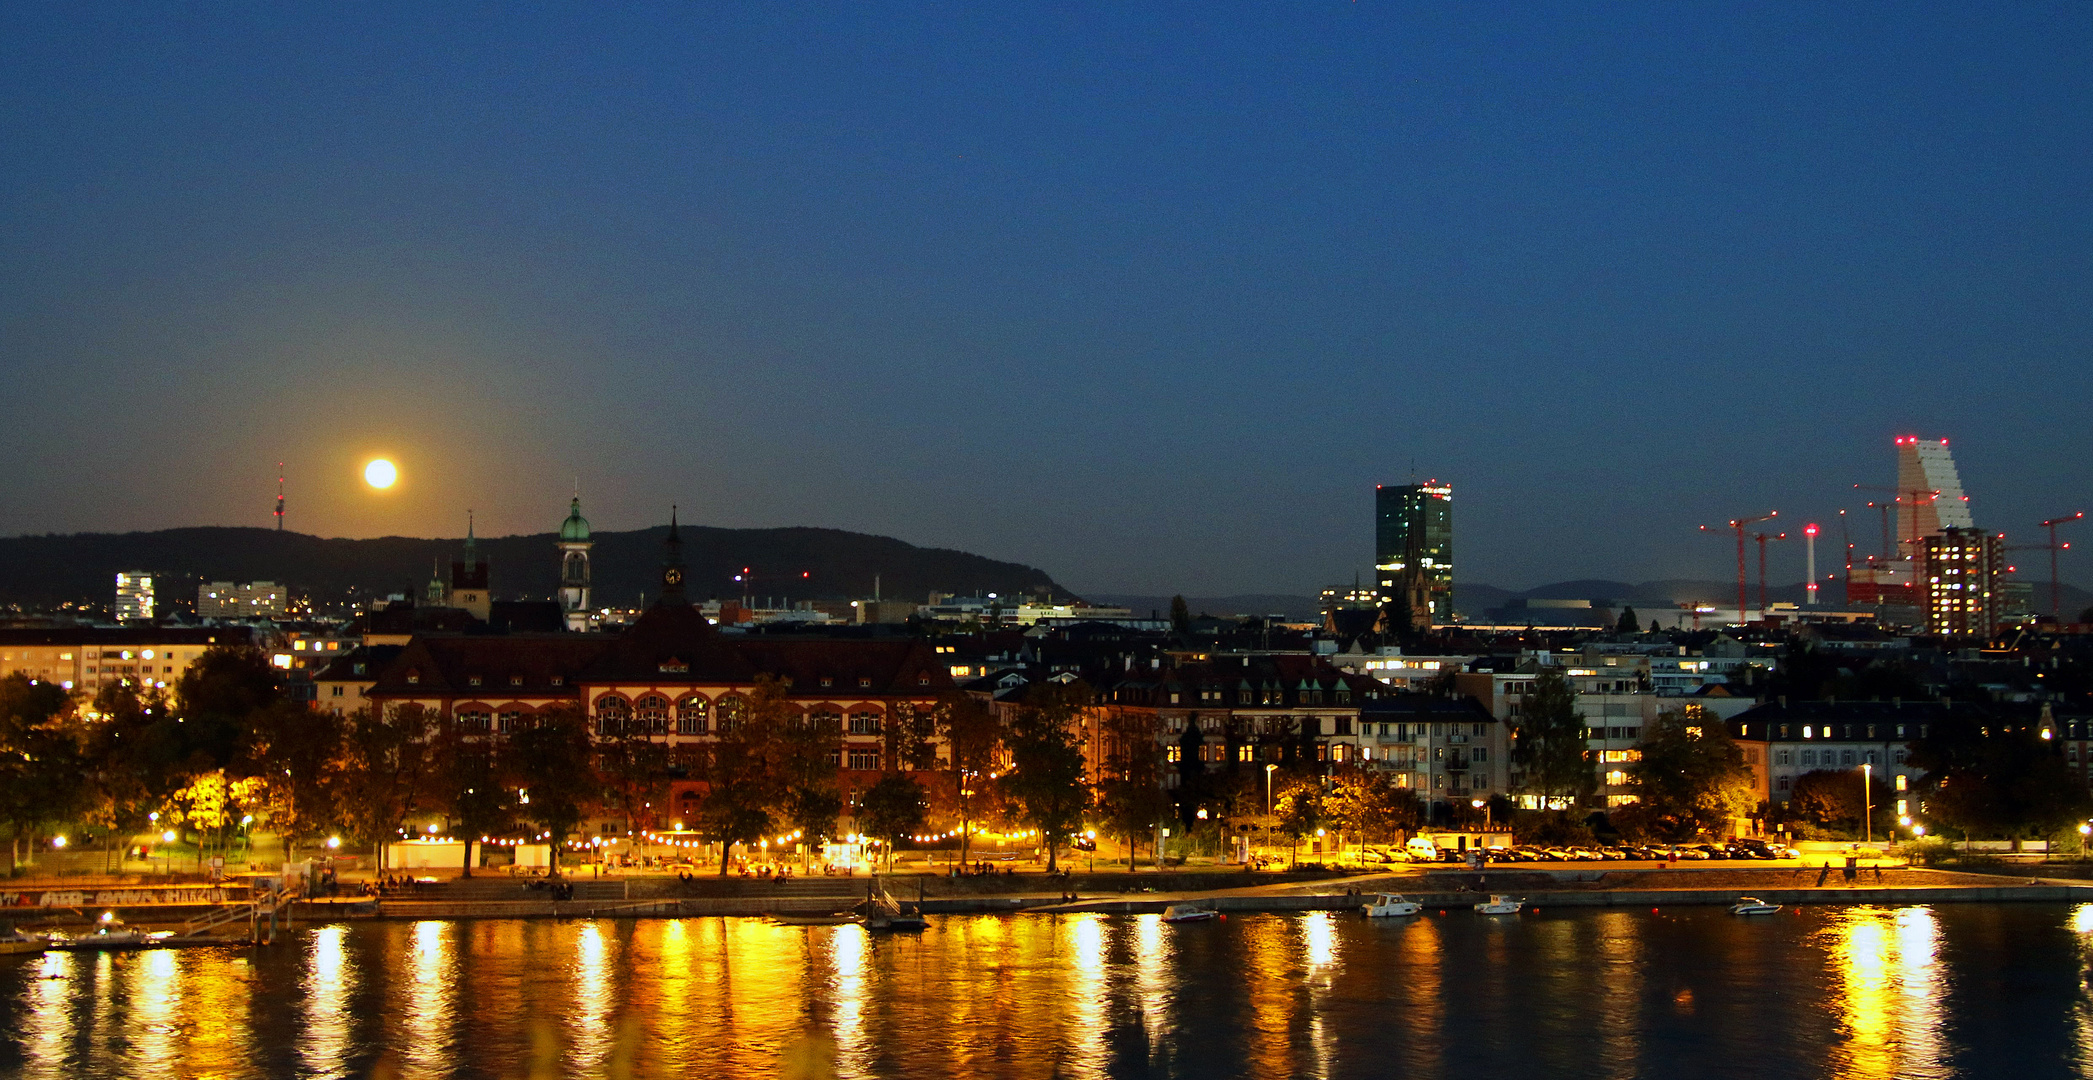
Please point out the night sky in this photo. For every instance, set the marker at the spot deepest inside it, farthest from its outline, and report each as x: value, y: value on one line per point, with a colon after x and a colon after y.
x: 1148, y: 295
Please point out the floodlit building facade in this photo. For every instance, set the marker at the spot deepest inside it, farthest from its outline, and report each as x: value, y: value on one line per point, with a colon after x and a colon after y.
x: 257, y: 600
x: 134, y: 595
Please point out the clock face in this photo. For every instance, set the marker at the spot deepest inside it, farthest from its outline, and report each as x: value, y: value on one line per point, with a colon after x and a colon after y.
x: 673, y: 576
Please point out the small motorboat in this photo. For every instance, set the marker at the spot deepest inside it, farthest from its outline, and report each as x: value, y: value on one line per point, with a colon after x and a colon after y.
x: 1752, y: 905
x: 884, y: 914
x: 15, y: 943
x: 1183, y: 913
x: 1500, y: 904
x: 1389, y: 906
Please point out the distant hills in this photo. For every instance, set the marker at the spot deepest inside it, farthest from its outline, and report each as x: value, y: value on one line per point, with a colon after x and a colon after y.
x: 54, y: 569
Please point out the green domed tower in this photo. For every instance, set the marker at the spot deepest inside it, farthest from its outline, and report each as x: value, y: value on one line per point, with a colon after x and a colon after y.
x: 574, y: 544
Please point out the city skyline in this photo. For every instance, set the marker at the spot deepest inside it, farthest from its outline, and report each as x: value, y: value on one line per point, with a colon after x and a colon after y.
x: 1145, y: 298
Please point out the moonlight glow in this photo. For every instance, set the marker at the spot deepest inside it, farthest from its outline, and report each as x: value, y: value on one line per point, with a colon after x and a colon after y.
x: 380, y: 473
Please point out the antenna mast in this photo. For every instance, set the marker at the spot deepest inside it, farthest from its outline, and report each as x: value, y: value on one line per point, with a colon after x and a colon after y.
x: 279, y: 496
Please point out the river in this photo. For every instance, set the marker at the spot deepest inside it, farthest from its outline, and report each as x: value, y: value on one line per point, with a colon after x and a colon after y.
x: 1957, y: 990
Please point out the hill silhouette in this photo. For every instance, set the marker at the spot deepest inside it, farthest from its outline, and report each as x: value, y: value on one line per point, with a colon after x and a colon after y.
x: 53, y: 569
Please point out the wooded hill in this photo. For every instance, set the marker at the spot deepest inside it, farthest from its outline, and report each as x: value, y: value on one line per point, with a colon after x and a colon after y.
x: 43, y: 571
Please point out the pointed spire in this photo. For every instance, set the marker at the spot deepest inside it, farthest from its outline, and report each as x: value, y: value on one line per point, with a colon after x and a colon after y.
x: 469, y: 544
x: 672, y: 563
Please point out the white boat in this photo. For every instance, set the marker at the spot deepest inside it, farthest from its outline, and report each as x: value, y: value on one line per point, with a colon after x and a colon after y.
x: 1389, y: 905
x: 105, y: 937
x: 1181, y: 913
x: 16, y: 943
x: 1752, y: 905
x: 1500, y: 904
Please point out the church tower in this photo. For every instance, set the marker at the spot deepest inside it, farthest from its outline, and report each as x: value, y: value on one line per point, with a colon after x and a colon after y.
x: 574, y: 547
x: 672, y: 565
x: 469, y: 578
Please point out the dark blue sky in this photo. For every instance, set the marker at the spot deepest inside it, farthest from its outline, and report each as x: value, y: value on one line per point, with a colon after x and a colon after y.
x: 1148, y: 295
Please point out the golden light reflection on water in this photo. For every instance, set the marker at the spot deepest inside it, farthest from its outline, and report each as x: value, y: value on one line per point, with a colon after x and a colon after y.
x: 1319, y: 946
x: 47, y: 1038
x: 152, y: 1007
x: 1886, y: 969
x: 324, y: 1040
x: 431, y: 993
x: 1155, y: 981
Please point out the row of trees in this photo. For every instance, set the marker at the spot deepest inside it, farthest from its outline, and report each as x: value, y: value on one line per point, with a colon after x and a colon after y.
x: 225, y: 745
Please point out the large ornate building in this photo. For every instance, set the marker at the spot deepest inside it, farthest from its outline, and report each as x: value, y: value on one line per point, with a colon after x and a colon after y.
x: 671, y: 677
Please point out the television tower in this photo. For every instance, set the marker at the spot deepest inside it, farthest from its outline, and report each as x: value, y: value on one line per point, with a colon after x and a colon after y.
x: 279, y: 496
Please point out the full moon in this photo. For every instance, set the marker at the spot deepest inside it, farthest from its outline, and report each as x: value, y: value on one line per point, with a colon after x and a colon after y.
x: 380, y: 473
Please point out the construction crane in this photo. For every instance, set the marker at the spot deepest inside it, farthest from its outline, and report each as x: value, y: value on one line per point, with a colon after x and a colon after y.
x: 2056, y: 589
x: 1762, y: 538
x: 1743, y: 593
x: 1901, y: 495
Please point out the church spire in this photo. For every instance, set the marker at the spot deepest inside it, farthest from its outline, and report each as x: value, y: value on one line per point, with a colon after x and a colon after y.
x: 672, y: 564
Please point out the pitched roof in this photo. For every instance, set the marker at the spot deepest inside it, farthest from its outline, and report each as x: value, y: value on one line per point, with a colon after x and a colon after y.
x: 447, y: 665
x: 672, y: 639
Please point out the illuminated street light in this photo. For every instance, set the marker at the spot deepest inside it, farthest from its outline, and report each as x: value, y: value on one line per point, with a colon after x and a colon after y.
x: 59, y: 841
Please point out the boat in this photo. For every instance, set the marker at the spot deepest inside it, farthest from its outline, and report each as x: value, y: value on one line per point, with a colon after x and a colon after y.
x: 837, y: 919
x: 1389, y: 905
x: 1500, y: 904
x: 1183, y: 913
x: 105, y: 937
x: 16, y: 943
x: 883, y: 914
x: 1752, y: 905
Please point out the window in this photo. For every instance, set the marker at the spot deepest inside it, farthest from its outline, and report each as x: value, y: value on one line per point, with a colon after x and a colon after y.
x: 652, y: 713
x: 864, y: 723
x: 473, y: 720
x: 1174, y: 754
x: 1246, y: 753
x: 1784, y: 757
x: 864, y: 758
x: 693, y: 716
x: 1809, y: 757
x: 510, y: 721
x: 731, y: 710
x: 865, y: 683
x: 1481, y: 753
x: 1781, y: 784
x: 611, y: 715
x: 1846, y: 758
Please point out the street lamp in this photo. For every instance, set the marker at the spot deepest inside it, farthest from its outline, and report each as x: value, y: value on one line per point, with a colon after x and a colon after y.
x: 1269, y: 770
x: 1484, y: 806
x: 1867, y: 806
x: 2083, y: 829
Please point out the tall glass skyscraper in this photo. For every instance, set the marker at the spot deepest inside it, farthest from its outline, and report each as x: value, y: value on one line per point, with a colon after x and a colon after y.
x: 1413, y: 550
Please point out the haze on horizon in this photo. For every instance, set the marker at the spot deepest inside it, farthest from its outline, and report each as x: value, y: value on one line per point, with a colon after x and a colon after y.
x: 1148, y: 298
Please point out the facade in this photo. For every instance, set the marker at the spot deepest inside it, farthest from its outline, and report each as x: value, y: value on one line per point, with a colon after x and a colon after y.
x: 1929, y: 490
x: 88, y: 658
x: 1959, y: 582
x: 671, y: 678
x: 134, y: 595
x: 1413, y: 550
x: 228, y: 600
x: 574, y: 545
x: 1783, y: 741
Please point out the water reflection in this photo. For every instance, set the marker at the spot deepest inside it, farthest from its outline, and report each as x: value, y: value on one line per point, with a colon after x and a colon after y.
x: 324, y: 1040
x: 1889, y: 1019
x: 1858, y: 993
x: 431, y: 986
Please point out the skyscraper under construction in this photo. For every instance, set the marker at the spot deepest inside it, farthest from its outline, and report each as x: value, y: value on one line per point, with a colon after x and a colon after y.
x: 1413, y: 552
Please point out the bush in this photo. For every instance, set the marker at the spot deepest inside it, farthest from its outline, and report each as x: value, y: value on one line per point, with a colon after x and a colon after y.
x: 1929, y: 851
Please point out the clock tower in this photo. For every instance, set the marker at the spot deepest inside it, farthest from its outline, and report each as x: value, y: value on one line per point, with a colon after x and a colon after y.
x: 574, y: 545
x: 672, y: 565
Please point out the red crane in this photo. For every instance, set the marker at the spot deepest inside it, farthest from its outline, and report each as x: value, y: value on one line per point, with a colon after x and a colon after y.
x: 1762, y: 538
x: 2056, y: 590
x: 1743, y: 593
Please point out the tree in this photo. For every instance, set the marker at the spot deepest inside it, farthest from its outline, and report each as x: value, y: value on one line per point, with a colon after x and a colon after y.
x: 548, y: 762
x: 40, y: 759
x: 632, y: 766
x: 1180, y: 615
x: 1550, y: 740
x: 1831, y: 798
x: 285, y: 755
x: 1692, y: 778
x: 893, y: 807
x: 1988, y: 777
x: 1046, y: 777
x: 803, y: 760
x: 742, y: 789
x: 972, y: 734
x: 1368, y: 804
x: 1628, y: 623
x: 131, y: 761
x: 468, y: 784
x: 378, y: 772
x: 216, y: 699
x: 1299, y: 808
x: 1130, y: 798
